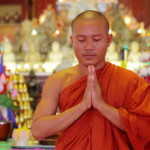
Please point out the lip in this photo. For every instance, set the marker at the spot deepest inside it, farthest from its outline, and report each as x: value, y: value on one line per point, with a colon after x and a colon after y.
x: 88, y: 56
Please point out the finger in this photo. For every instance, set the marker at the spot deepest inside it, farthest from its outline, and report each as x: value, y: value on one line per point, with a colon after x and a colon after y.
x: 94, y: 76
x: 88, y: 78
x: 94, y: 80
x: 90, y: 70
x: 88, y: 87
x: 95, y: 83
x: 92, y: 83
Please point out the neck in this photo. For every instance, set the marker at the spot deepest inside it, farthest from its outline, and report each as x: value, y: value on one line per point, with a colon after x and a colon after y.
x: 83, y: 69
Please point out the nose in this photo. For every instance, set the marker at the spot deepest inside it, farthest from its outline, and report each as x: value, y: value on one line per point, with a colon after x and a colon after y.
x: 89, y: 45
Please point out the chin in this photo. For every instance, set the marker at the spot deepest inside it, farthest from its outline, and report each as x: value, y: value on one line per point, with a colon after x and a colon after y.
x: 91, y: 62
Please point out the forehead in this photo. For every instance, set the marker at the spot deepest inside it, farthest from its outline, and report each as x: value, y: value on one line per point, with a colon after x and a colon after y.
x: 87, y: 26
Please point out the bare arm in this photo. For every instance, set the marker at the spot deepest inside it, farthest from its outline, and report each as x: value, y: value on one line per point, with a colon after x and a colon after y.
x: 112, y: 114
x: 45, y: 121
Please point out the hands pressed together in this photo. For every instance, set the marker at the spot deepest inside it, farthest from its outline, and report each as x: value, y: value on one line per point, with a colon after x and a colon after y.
x: 93, y: 94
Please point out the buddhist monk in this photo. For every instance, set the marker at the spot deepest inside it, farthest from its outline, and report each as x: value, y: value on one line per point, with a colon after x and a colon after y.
x: 102, y: 106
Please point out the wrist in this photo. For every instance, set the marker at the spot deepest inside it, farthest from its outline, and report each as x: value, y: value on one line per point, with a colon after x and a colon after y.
x: 82, y: 107
x: 102, y: 106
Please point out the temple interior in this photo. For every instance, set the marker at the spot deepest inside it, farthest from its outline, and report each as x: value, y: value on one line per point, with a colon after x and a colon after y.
x: 35, y: 43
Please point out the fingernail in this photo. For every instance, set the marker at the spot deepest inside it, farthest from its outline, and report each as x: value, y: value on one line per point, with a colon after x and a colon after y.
x: 92, y: 77
x: 93, y: 67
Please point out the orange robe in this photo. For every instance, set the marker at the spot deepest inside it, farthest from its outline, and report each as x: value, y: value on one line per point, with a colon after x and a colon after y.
x: 122, y: 89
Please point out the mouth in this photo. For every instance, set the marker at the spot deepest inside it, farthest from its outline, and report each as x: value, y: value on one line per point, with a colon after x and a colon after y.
x: 89, y: 56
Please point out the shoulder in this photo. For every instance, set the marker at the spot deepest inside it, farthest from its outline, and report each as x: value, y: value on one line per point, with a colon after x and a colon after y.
x: 129, y: 76
x: 58, y: 79
x: 63, y: 74
x: 123, y: 72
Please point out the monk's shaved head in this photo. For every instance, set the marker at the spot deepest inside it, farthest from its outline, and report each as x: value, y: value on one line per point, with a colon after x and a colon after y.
x: 90, y: 15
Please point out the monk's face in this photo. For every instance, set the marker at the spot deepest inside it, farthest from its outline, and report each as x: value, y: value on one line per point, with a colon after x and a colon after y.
x: 90, y: 40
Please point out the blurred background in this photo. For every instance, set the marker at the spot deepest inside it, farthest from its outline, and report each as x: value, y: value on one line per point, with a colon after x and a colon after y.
x: 34, y: 43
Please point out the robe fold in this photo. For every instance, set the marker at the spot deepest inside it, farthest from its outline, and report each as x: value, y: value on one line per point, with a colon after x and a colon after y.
x: 122, y: 89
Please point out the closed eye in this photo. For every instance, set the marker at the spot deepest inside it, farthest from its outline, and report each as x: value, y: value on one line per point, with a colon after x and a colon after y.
x: 81, y: 40
x: 97, y: 40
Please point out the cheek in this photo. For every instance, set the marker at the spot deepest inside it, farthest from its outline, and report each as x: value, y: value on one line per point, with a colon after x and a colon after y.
x: 101, y: 46
x: 78, y: 47
x: 101, y: 49
x: 77, y: 52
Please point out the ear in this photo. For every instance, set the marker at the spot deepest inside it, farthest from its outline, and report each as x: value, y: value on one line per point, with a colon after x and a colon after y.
x: 71, y: 39
x: 109, y: 39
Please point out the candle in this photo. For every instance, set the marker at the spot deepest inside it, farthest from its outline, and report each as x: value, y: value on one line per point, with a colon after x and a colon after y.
x: 124, y: 56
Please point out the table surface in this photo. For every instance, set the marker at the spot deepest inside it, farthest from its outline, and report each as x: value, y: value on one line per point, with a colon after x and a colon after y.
x: 8, y: 144
x: 35, y: 147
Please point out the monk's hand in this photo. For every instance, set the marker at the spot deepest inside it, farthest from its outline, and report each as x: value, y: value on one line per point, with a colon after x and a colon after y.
x: 96, y: 93
x: 87, y: 101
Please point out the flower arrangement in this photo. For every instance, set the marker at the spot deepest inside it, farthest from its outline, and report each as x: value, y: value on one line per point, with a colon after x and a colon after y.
x: 7, y: 93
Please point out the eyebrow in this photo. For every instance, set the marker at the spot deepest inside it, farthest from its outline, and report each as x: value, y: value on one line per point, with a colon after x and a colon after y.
x: 80, y: 35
